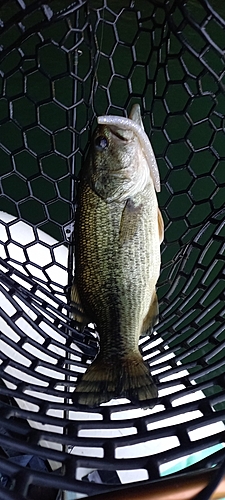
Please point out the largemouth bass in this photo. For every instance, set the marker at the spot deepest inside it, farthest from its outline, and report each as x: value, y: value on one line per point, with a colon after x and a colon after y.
x: 118, y: 233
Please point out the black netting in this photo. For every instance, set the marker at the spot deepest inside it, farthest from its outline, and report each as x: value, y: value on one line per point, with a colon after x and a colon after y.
x: 62, y: 64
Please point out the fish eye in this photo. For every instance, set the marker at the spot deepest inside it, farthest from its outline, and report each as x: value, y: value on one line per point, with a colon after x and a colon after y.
x: 101, y: 142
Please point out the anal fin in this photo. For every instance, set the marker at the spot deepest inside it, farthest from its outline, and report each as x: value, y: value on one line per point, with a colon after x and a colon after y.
x: 151, y: 317
x: 78, y: 312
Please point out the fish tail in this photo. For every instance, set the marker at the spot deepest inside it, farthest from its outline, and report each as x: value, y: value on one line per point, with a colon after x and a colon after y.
x: 126, y: 377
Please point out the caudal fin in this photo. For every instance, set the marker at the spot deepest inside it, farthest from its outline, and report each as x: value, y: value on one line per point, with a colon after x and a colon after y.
x: 127, y: 377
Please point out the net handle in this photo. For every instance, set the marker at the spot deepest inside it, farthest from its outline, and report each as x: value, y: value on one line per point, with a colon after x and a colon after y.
x: 185, y: 486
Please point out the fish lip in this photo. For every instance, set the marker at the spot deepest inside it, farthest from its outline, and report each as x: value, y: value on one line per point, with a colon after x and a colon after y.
x: 138, y: 129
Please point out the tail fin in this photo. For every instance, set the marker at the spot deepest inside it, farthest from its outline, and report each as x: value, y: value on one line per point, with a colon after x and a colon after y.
x: 127, y: 377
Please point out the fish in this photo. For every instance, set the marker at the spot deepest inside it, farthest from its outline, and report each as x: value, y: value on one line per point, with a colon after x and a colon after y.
x: 118, y: 232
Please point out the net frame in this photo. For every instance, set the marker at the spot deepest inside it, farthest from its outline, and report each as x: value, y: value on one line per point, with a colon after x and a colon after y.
x: 103, y: 67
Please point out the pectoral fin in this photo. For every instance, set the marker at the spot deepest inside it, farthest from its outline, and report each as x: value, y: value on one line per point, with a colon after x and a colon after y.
x: 129, y: 220
x: 151, y: 318
x: 161, y: 226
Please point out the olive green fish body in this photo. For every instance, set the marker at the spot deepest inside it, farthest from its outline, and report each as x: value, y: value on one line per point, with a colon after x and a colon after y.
x: 117, y: 267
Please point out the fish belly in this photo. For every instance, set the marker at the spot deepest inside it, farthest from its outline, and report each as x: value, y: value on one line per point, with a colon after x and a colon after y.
x: 117, y: 267
x: 117, y: 263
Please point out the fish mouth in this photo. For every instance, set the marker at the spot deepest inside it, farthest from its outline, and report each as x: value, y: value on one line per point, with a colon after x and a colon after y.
x: 134, y: 123
x: 121, y: 134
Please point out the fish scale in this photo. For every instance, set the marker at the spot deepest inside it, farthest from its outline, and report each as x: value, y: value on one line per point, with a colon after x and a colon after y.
x: 123, y: 271
x: 117, y: 266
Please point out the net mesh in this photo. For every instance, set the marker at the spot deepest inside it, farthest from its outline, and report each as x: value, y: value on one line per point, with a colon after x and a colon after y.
x: 62, y: 64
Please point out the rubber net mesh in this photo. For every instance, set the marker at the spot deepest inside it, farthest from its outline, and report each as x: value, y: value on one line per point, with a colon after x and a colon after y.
x: 62, y: 64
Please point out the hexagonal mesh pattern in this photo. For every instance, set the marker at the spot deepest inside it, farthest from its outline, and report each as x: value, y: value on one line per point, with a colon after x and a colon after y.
x: 62, y: 64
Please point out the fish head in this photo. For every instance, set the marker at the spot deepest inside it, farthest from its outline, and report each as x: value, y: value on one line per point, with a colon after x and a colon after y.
x: 116, y: 166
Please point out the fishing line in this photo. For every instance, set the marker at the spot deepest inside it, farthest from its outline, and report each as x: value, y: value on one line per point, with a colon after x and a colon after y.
x: 95, y: 58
